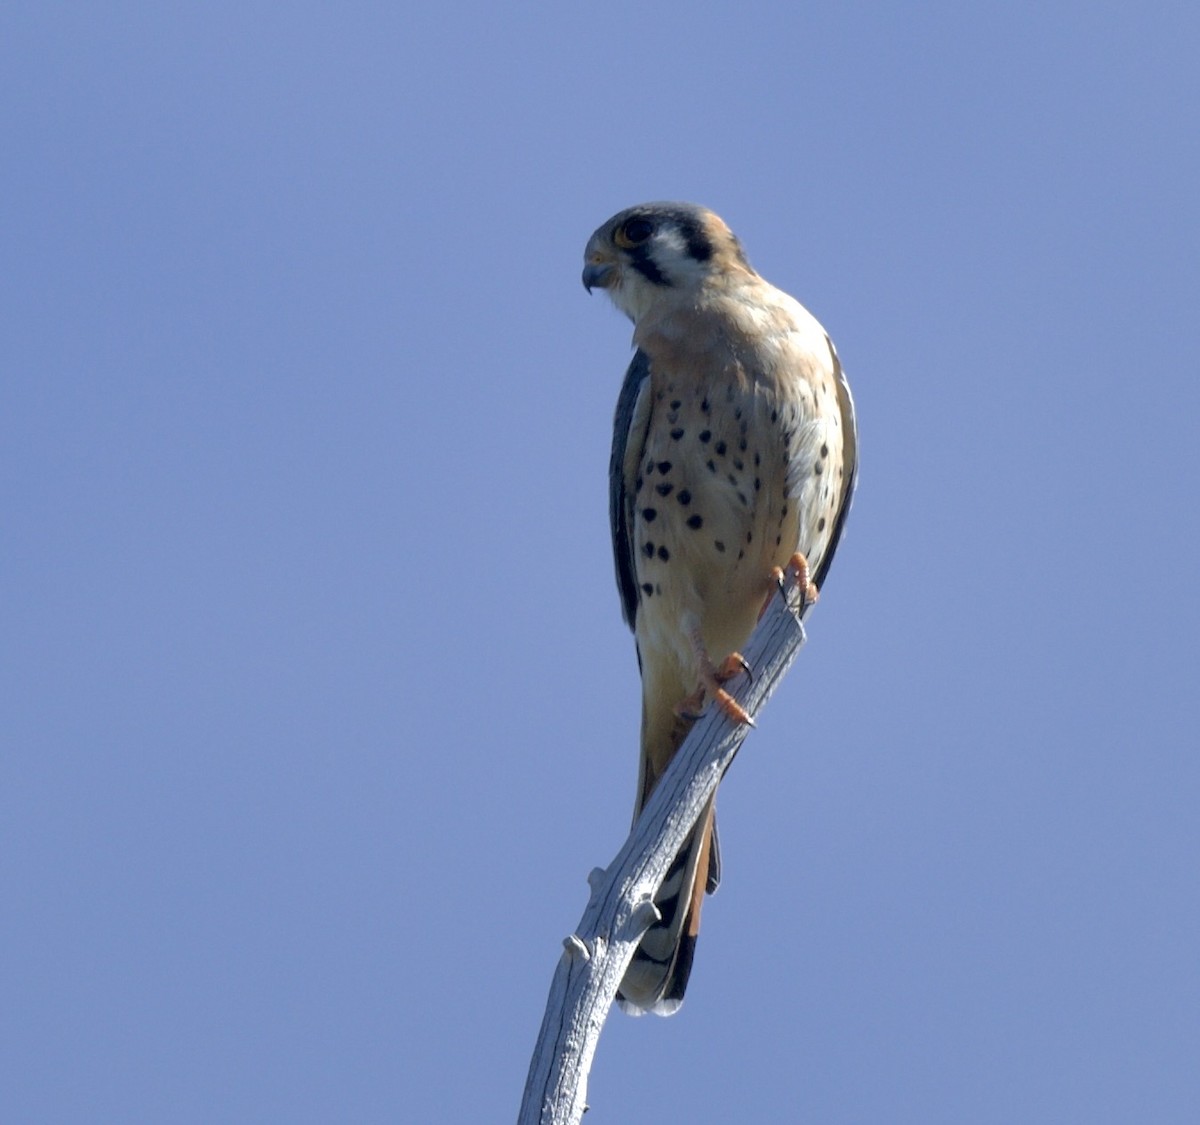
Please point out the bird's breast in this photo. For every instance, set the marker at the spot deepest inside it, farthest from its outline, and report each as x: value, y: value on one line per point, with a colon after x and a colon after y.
x: 741, y: 464
x: 711, y: 510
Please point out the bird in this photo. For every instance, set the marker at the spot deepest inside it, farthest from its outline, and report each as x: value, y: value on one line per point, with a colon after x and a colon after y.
x: 734, y: 457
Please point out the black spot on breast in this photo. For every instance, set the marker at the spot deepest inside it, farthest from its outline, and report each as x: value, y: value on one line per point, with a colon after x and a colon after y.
x: 778, y: 540
x: 664, y: 467
x: 739, y: 464
x: 818, y: 468
x: 757, y: 484
x: 821, y: 524
x: 649, y: 467
x: 649, y: 514
x: 676, y: 434
x: 711, y: 467
x: 719, y: 545
x: 749, y: 536
x: 647, y: 589
x: 695, y: 522
x: 676, y: 404
x: 720, y: 448
x: 664, y: 489
x: 824, y: 450
x: 742, y: 446
x: 684, y: 497
x: 648, y: 550
x: 738, y: 413
x: 664, y: 554
x: 706, y: 436
x: 742, y: 497
x: 774, y: 414
x: 757, y: 460
x: 638, y: 487
x: 704, y: 406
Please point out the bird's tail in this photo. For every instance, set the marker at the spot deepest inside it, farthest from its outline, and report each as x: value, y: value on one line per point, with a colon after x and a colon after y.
x: 658, y: 974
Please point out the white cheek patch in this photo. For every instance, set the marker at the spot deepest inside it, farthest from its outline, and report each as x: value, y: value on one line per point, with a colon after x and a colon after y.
x: 671, y: 242
x: 635, y: 294
x: 674, y: 259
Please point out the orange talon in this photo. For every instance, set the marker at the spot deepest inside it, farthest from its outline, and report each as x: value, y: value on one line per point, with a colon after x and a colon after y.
x: 808, y: 588
x: 734, y: 663
x: 732, y: 708
x: 777, y: 579
x: 804, y: 583
x: 711, y: 679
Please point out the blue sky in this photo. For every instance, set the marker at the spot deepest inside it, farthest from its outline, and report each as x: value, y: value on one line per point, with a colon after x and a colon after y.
x: 318, y: 703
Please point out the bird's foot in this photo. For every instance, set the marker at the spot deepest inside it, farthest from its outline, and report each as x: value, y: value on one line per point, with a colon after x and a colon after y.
x: 712, y: 679
x: 804, y: 583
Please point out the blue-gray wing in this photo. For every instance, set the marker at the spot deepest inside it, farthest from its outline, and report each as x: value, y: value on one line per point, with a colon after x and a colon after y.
x: 629, y: 437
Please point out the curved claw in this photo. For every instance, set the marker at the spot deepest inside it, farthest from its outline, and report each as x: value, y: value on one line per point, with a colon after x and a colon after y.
x: 807, y: 588
x: 711, y: 679
x: 732, y: 708
x: 734, y: 663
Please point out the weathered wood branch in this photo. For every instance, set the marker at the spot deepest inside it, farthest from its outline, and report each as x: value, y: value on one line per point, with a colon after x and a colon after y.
x: 621, y: 906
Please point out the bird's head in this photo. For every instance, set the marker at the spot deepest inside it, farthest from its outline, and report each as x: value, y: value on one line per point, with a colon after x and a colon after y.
x: 660, y: 250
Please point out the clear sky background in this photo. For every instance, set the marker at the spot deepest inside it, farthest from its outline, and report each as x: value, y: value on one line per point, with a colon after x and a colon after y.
x: 317, y: 703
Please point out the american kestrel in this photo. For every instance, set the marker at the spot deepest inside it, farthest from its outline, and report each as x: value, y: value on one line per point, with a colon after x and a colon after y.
x: 734, y: 454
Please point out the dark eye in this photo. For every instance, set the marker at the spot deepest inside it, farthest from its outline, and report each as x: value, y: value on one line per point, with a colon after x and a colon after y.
x: 634, y: 232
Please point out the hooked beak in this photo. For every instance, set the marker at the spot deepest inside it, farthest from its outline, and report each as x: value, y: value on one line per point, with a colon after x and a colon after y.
x: 598, y: 275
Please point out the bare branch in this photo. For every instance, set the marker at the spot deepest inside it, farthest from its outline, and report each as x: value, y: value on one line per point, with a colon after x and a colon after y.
x: 621, y: 906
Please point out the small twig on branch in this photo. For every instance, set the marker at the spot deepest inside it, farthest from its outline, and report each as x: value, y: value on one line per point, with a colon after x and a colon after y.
x: 621, y: 906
